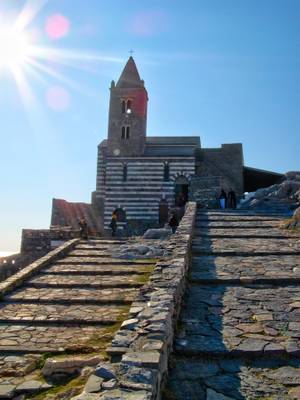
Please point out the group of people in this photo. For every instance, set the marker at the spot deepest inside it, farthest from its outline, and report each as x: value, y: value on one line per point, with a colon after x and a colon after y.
x: 227, y: 200
x: 173, y: 223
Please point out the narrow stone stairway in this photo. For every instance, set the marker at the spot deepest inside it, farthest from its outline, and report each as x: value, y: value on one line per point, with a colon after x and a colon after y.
x: 72, y: 306
x: 239, y: 329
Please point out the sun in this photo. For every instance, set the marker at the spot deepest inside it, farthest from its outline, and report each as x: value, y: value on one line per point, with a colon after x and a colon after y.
x: 14, y: 48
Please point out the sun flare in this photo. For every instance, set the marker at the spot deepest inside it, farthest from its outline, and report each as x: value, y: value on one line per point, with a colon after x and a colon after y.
x: 14, y: 48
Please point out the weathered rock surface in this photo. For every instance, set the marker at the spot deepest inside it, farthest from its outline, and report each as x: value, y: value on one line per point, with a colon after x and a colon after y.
x: 68, y: 365
x: 161, y: 233
x: 281, y: 197
x: 295, y: 222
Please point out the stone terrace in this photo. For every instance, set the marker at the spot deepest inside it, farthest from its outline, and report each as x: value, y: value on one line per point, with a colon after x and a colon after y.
x: 238, y: 334
x: 73, y: 305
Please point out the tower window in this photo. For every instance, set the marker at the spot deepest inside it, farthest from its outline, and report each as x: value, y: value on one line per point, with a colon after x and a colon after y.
x: 124, y: 172
x: 166, y: 171
x: 123, y: 106
x: 128, y: 107
x: 125, y: 132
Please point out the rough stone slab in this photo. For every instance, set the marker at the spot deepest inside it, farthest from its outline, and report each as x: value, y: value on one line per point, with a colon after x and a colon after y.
x: 273, y: 267
x: 247, y: 246
x: 18, y: 366
x: 235, y: 379
x: 6, y: 391
x: 51, y: 338
x: 147, y: 359
x: 63, y: 313
x: 240, y: 320
x: 83, y: 280
x: 87, y: 260
x: 75, y: 295
x: 105, y: 269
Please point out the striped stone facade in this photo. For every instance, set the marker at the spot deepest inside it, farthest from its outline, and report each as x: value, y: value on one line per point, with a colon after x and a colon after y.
x: 140, y: 194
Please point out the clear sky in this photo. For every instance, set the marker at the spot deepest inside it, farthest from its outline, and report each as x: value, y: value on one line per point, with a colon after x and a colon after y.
x: 227, y: 70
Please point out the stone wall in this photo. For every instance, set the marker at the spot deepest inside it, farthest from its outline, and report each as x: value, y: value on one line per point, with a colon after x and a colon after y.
x: 226, y: 162
x: 12, y: 264
x: 37, y: 242
x: 140, y: 349
x: 205, y: 190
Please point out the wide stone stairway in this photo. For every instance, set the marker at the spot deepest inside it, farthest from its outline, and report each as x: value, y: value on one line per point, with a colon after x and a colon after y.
x: 239, y: 329
x: 72, y: 306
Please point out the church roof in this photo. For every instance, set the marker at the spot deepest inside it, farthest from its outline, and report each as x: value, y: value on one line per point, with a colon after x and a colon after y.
x: 130, y: 77
x: 174, y: 140
x: 164, y: 146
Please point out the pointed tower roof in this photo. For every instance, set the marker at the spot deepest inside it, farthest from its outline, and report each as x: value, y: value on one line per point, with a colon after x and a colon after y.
x: 130, y: 77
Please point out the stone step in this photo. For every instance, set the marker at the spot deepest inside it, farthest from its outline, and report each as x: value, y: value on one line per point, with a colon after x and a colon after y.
x: 101, y: 261
x: 81, y: 281
x: 101, y: 241
x: 238, y: 218
x: 90, y: 253
x: 30, y: 338
x: 43, y: 314
x: 254, y: 233
x: 241, y: 321
x: 68, y: 260
x: 212, y: 269
x: 75, y: 295
x: 92, y: 270
x: 246, y: 246
x: 237, y: 224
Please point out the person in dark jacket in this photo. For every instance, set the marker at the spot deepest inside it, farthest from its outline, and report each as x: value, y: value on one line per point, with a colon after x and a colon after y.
x: 231, y: 199
x: 83, y: 229
x: 173, y: 222
x: 113, y: 224
x: 223, y: 199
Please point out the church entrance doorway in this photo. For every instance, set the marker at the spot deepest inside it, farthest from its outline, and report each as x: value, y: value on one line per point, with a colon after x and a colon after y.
x: 181, y: 191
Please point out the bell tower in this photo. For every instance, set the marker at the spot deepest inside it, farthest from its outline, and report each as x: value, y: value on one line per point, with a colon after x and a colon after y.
x: 127, y: 114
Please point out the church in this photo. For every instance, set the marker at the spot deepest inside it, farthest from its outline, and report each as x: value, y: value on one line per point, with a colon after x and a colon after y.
x: 138, y: 174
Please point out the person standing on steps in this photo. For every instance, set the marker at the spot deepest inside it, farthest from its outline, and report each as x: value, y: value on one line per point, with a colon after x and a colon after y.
x: 83, y: 229
x: 113, y: 224
x: 223, y: 199
x: 173, y: 222
x: 231, y: 199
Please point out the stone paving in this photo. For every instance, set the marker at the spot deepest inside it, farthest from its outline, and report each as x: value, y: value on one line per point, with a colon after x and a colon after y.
x: 239, y: 330
x: 74, y: 305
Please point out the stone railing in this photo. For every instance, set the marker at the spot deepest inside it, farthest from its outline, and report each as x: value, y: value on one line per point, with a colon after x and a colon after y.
x: 140, y: 349
x: 17, y: 279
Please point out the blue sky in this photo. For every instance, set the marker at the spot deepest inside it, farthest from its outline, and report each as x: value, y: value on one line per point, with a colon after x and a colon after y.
x: 227, y: 70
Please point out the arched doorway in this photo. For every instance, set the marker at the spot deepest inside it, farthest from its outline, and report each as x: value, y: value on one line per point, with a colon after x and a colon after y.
x: 181, y: 188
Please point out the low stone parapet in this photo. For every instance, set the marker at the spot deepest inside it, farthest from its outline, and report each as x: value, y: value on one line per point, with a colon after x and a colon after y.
x: 17, y: 279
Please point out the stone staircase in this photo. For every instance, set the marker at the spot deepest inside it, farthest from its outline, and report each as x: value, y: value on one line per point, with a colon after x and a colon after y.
x: 238, y: 333
x: 72, y: 306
